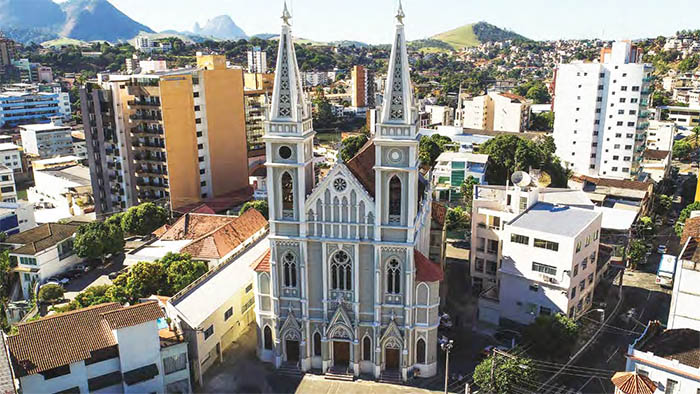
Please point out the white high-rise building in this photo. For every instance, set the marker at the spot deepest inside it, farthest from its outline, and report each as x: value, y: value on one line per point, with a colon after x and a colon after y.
x: 601, y: 113
x: 257, y: 61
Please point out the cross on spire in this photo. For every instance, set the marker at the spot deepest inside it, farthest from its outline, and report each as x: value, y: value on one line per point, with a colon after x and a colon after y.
x: 286, y: 16
x: 400, y: 14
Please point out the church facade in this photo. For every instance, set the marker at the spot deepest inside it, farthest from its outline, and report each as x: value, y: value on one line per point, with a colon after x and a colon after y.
x: 347, y: 285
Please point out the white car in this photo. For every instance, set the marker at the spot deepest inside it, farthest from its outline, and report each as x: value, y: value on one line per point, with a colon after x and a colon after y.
x: 661, y: 249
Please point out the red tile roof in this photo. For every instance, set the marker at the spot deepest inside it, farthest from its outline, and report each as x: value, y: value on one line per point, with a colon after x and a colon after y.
x: 220, y: 203
x: 439, y: 212
x: 620, y: 183
x: 632, y: 383
x: 362, y: 166
x: 513, y: 96
x: 263, y: 263
x: 65, y: 338
x: 195, y: 225
x: 259, y: 170
x: 426, y: 269
x: 682, y: 344
x: 656, y: 154
x: 691, y: 228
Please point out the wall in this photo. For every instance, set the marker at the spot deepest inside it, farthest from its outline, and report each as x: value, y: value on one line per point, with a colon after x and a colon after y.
x: 660, y: 370
x: 177, y: 105
x: 685, y: 300
x: 140, y: 346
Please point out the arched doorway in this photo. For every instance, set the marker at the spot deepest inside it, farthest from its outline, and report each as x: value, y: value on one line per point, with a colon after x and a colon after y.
x: 391, y: 357
x: 292, y: 347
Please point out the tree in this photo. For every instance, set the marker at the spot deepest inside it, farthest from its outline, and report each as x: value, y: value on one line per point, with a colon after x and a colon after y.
x: 259, y: 205
x: 684, y: 215
x: 509, y: 374
x: 143, y: 219
x: 323, y: 116
x: 682, y: 150
x: 352, y: 145
x: 646, y: 226
x: 181, y: 270
x: 429, y: 148
x: 552, y: 336
x: 5, y: 274
x: 50, y: 293
x: 93, y: 295
x: 636, y: 252
x: 663, y: 204
x: 466, y: 189
x: 534, y: 90
x: 143, y: 280
x: 456, y: 218
x: 542, y: 122
x: 96, y: 240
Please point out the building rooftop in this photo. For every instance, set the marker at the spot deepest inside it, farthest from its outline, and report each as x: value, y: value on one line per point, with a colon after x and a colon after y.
x: 39, y: 127
x: 40, y: 238
x: 362, y: 166
x: 203, y: 297
x: 681, y: 344
x: 262, y: 264
x: 617, y: 219
x: 565, y: 197
x: 57, y: 160
x: 651, y: 154
x: 7, y: 381
x: 633, y: 383
x: 68, y: 337
x: 691, y: 228
x: 463, y: 156
x: 8, y: 146
x: 77, y: 174
x: 426, y: 269
x: 555, y: 219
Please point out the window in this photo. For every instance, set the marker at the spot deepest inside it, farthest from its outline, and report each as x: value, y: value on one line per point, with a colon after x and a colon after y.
x: 584, y: 263
x: 202, y: 171
x: 420, y: 351
x: 491, y: 267
x: 630, y: 124
x: 633, y: 112
x: 578, y: 246
x: 590, y: 279
x: 203, y: 183
x: 635, y: 88
x: 671, y: 387
x: 544, y: 244
x: 208, y: 332
x: 267, y: 338
x: 588, y: 240
x: 633, y: 100
x: 394, y: 197
x: 200, y: 146
x: 27, y: 277
x: 393, y: 277
x: 341, y: 271
x: 573, y: 293
x: 289, y: 267
x: 495, y: 222
x: 480, y: 244
x: 575, y: 270
x: 196, y: 107
x: 479, y: 264
x: 249, y: 288
x: 523, y: 203
x: 582, y: 285
x: 228, y: 313
x: 592, y: 257
x: 623, y: 88
x: 198, y: 121
x: 619, y: 124
x: 27, y: 260
x: 199, y: 134
x: 620, y: 111
x: 544, y: 311
x: 521, y: 239
x: 616, y: 157
x: 614, y: 169
x: 579, y: 306
x: 543, y: 268
x: 367, y: 349
x: 65, y: 249
x: 201, y: 159
x: 195, y: 94
x: 287, y: 193
x: 595, y: 236
x: 628, y: 147
x: 317, y: 344
x: 646, y: 373
x: 492, y: 246
x: 174, y: 363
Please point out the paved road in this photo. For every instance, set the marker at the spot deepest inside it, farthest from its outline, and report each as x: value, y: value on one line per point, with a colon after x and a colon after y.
x: 98, y: 276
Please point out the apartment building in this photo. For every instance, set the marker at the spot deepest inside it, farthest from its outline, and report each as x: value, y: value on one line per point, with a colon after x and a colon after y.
x: 682, y: 116
x: 601, y: 113
x: 30, y: 106
x: 452, y: 169
x: 660, y: 135
x: 257, y: 90
x: 496, y: 111
x: 363, y: 88
x: 535, y: 252
x: 102, y: 348
x: 257, y: 61
x: 440, y: 114
x: 47, y: 140
x: 62, y: 188
x: 685, y: 298
x: 316, y: 78
x: 668, y: 357
x: 176, y: 136
x: 7, y: 53
x: 8, y: 189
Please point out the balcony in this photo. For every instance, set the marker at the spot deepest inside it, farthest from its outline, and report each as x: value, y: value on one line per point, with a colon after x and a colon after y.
x: 140, y: 130
x: 148, y: 145
x: 647, y: 79
x: 146, y: 117
x: 644, y: 114
x: 642, y: 125
x: 143, y: 103
x: 151, y: 173
x: 148, y: 157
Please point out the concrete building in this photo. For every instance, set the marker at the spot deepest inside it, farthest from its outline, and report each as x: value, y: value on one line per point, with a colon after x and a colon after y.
x: 42, y: 252
x: 8, y: 189
x: 23, y: 213
x: 145, y: 44
x: 348, y: 288
x: 655, y: 165
x: 362, y: 87
x: 316, y: 78
x: 176, y: 136
x: 79, y: 144
x: 62, y: 189
x: 257, y: 61
x: 452, y: 169
x: 440, y: 114
x: 257, y: 90
x: 27, y: 107
x: 496, y: 111
x: 7, y: 54
x: 524, y: 265
x: 102, y: 348
x: 660, y: 135
x: 668, y: 357
x: 601, y: 113
x: 46, y: 141
x: 685, y: 298
x: 682, y: 116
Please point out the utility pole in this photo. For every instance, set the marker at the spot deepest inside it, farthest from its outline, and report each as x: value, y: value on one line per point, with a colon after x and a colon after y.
x: 447, y: 346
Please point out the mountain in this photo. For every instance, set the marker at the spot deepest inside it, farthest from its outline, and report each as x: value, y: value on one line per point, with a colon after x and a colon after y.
x: 30, y: 20
x: 98, y: 20
x: 265, y: 36
x: 348, y: 43
x: 474, y: 34
x: 221, y: 27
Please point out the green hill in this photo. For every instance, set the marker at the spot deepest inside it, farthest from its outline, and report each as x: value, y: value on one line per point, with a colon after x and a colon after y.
x: 474, y: 34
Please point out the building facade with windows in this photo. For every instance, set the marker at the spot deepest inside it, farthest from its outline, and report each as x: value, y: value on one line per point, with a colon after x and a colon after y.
x: 46, y: 140
x: 348, y: 288
x: 601, y: 113
x: 176, y: 136
x: 109, y: 348
x: 257, y: 61
x: 452, y: 169
x: 8, y: 189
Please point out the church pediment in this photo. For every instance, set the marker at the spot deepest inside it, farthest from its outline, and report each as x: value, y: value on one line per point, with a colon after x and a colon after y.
x: 340, y: 326
x: 392, y: 336
x: 291, y: 329
x: 339, y: 187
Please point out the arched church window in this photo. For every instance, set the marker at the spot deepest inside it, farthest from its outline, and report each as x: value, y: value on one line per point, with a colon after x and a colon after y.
x: 420, y: 351
x: 367, y: 349
x: 341, y: 271
x: 267, y: 338
x: 393, y: 277
x: 287, y: 193
x: 289, y: 263
x: 317, y: 344
x: 394, y: 199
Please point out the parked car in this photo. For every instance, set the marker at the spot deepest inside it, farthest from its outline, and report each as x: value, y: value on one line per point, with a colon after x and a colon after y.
x: 508, y: 337
x: 62, y: 280
x: 82, y: 267
x: 115, y: 274
x: 661, y: 249
x: 74, y: 273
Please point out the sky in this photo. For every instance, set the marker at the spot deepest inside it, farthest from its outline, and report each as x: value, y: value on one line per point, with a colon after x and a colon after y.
x: 371, y: 21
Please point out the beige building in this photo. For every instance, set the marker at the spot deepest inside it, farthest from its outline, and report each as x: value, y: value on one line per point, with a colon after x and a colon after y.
x: 495, y: 111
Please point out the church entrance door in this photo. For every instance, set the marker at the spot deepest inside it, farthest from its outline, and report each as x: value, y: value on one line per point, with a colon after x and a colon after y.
x: 292, y: 350
x: 341, y: 353
x: 392, y: 358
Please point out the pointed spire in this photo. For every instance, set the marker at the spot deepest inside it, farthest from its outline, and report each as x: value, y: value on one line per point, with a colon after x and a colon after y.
x: 398, y: 106
x: 288, y: 103
x: 286, y: 16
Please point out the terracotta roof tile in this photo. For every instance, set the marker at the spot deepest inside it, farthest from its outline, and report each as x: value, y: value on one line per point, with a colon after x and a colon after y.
x: 426, y: 269
x: 195, y: 225
x: 682, y: 344
x: 632, y: 383
x: 619, y: 183
x: 691, y: 228
x: 220, y: 203
x: 362, y: 166
x: 133, y: 315
x: 656, y: 154
x: 259, y: 170
x: 439, y: 212
x: 40, y: 238
x: 263, y: 263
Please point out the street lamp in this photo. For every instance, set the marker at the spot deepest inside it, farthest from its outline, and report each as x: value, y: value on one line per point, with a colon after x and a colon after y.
x: 601, y: 311
x: 446, y: 347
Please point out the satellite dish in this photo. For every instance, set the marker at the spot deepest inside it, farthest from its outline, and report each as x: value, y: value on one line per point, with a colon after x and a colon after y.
x: 521, y: 178
x: 544, y: 180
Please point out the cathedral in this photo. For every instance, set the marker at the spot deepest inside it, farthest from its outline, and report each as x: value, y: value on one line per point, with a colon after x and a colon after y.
x: 347, y: 287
